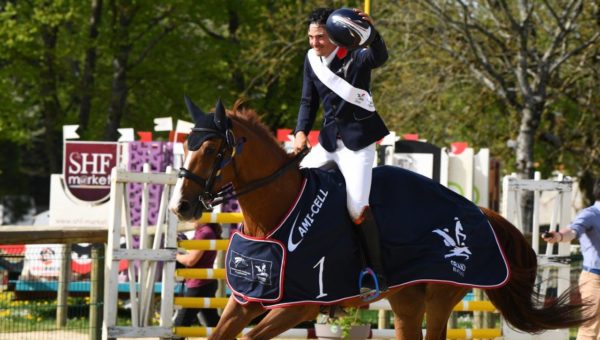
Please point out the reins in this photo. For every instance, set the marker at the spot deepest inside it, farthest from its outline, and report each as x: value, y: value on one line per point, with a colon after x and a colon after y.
x: 261, y: 181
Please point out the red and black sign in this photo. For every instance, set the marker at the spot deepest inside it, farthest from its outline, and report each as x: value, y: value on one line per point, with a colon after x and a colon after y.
x: 87, y: 167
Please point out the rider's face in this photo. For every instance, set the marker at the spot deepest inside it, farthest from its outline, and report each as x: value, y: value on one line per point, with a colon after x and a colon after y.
x: 319, y: 40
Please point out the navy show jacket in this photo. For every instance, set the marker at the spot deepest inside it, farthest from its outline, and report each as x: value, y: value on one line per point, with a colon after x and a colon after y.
x: 356, y: 126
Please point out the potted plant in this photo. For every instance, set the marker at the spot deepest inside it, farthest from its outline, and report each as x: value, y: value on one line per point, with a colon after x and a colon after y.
x: 347, y: 326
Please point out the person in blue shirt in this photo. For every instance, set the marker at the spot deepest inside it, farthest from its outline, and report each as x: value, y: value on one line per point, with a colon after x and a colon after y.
x: 586, y: 228
x: 350, y: 127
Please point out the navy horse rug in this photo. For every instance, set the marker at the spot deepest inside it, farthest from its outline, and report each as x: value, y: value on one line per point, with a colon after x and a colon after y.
x: 428, y: 234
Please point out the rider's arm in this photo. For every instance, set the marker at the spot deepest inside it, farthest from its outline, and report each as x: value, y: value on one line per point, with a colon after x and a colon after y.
x: 376, y: 53
x: 309, y: 104
x: 564, y: 235
x: 190, y: 258
x: 582, y: 223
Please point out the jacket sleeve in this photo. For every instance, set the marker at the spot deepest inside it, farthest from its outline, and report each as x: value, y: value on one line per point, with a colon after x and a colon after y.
x: 376, y: 53
x: 309, y: 103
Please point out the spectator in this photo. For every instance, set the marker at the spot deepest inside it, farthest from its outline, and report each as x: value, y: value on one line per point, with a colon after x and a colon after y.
x: 586, y: 228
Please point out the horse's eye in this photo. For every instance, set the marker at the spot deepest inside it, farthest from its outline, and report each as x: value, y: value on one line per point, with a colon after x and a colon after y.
x: 210, y: 150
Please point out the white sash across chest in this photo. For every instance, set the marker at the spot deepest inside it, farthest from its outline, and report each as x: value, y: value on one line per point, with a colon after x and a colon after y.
x: 339, y: 85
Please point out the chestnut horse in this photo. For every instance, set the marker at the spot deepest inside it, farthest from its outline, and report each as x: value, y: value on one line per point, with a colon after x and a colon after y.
x: 267, y: 180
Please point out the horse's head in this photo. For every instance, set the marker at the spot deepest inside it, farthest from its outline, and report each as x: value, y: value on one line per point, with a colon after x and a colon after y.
x: 209, y: 147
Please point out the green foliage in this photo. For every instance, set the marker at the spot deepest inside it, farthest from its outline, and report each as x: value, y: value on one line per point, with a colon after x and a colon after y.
x: 351, y: 317
x: 254, y: 50
x: 429, y: 85
x: 40, y: 315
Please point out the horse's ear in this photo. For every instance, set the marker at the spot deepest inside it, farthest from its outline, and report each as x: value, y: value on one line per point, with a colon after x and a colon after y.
x: 220, y: 116
x: 194, y: 110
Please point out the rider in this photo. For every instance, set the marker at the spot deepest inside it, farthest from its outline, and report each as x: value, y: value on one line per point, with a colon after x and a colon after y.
x: 349, y: 132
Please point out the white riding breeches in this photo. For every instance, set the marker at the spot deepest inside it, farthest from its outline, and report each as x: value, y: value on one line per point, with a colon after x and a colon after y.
x: 356, y: 166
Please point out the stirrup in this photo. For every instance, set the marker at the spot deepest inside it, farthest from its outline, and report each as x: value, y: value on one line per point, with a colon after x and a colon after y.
x: 368, y: 294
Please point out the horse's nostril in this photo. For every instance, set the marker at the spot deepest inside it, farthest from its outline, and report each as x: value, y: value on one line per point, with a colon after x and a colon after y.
x: 183, y: 207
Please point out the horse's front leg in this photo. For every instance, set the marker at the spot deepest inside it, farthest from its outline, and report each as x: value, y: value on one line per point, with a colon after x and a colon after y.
x: 280, y: 320
x: 234, y: 318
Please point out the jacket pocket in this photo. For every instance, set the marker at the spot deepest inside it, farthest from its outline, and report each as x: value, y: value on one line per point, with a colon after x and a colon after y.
x: 362, y: 115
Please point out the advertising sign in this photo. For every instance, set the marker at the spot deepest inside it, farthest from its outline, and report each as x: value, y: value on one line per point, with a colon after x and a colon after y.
x: 87, y: 167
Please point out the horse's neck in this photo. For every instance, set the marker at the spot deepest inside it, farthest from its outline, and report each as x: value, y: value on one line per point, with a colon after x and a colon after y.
x: 264, y: 207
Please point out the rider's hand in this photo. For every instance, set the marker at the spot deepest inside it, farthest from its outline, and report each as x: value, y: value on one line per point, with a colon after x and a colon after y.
x: 300, y: 142
x: 365, y: 16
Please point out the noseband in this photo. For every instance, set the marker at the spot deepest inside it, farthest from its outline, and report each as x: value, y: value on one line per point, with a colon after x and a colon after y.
x: 209, y: 198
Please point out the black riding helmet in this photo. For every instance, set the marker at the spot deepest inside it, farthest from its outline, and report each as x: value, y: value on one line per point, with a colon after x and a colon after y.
x: 348, y: 29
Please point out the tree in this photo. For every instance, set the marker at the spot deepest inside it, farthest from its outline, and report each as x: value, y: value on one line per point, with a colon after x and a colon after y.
x: 517, y: 50
x: 36, y: 61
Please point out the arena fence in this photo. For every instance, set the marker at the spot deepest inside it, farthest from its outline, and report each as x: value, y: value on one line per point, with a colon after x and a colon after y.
x: 38, y: 300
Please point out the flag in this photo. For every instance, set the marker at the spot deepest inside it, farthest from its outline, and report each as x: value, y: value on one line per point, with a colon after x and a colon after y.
x: 283, y: 135
x: 163, y: 124
x: 126, y: 135
x: 410, y: 136
x: 70, y: 132
x: 313, y: 137
x: 459, y: 147
x: 183, y: 126
x: 145, y: 136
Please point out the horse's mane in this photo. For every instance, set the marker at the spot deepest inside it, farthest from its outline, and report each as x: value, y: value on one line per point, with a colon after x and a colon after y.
x: 250, y: 116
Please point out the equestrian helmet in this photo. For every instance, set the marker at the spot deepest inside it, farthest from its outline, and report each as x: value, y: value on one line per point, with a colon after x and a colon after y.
x: 348, y: 29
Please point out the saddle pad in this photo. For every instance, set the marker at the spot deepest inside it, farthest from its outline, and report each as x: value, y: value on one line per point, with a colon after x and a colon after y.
x: 255, y: 268
x: 427, y: 232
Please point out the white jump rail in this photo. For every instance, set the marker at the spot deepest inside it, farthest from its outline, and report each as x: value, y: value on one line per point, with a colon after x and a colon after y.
x: 163, y: 248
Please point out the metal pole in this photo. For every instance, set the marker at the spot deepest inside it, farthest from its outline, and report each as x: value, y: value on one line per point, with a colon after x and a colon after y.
x: 63, y: 287
x: 96, y: 291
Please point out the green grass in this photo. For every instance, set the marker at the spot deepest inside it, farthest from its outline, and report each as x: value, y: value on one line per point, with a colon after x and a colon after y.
x: 36, y: 315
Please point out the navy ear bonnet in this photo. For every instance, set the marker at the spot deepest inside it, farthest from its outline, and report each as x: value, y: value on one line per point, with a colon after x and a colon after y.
x: 212, y: 125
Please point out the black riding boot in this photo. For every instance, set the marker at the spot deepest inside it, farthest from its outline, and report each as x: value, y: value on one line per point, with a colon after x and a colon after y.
x: 369, y: 239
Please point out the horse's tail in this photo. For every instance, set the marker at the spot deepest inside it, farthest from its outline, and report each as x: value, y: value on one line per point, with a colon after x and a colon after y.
x: 521, y: 306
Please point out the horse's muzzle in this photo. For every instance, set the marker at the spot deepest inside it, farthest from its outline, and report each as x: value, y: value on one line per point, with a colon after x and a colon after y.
x: 186, y: 211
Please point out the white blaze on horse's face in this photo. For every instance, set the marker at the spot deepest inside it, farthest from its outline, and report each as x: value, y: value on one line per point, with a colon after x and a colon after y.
x: 177, y: 198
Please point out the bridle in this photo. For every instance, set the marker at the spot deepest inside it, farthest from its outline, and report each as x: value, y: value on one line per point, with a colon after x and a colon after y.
x: 209, y: 198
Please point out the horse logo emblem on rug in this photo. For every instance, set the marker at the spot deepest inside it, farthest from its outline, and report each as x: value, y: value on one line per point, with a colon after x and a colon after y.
x: 262, y: 275
x: 250, y: 269
x: 457, y: 244
x: 239, y: 261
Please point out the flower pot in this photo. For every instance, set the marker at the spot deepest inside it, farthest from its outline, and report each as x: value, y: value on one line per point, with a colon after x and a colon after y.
x: 330, y: 331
